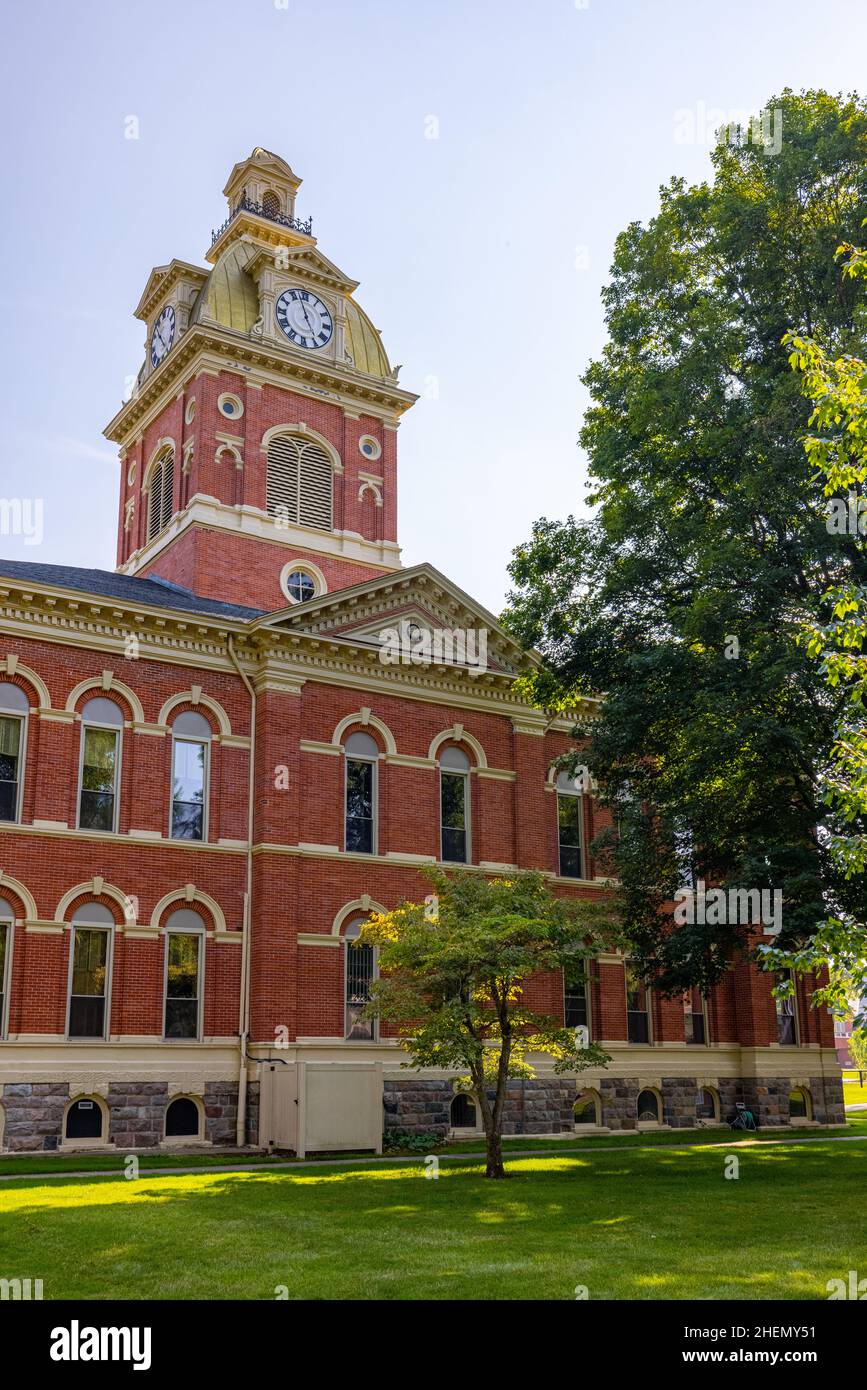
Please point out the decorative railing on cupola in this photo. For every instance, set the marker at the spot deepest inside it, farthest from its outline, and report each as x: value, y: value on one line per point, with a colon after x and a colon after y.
x: 246, y: 204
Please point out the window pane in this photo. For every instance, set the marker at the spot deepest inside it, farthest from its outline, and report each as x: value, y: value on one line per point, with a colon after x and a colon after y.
x: 182, y: 986
x: 89, y: 962
x: 693, y: 1017
x: 569, y: 810
x: 575, y: 997
x: 98, y: 779
x: 786, y: 1018
x: 453, y: 802
x: 188, y: 790
x: 359, y: 974
x: 10, y: 746
x: 183, y: 972
x: 359, y: 806
x: 86, y: 1017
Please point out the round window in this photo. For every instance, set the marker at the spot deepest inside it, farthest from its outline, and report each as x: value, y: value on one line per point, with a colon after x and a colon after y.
x: 230, y: 406
x: 369, y: 447
x: 299, y: 586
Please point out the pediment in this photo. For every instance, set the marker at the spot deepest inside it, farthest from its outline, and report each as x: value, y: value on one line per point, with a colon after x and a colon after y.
x: 305, y: 262
x: 413, y: 617
x: 161, y: 279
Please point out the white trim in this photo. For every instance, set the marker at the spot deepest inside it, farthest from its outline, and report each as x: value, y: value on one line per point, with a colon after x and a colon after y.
x: 107, y: 684
x: 306, y: 433
x: 366, y: 720
x: 200, y: 933
x: 188, y: 895
x: 108, y: 932
x: 11, y: 666
x: 355, y: 908
x: 373, y: 763
x: 458, y: 734
x: 23, y: 728
x: 117, y: 730
x: 465, y: 778
x: 206, y: 788
x: 195, y: 698
x: 320, y: 584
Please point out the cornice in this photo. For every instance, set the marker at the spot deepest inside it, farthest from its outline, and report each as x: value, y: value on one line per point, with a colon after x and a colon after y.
x: 207, y: 345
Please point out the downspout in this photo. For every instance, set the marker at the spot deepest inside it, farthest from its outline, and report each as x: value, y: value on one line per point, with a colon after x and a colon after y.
x: 244, y: 997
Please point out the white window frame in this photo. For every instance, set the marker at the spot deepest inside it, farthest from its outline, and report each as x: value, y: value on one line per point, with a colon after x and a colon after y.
x: 588, y: 1002
x: 6, y: 975
x: 578, y: 796
x: 23, y: 720
x: 468, y: 805
x: 374, y: 793
x: 649, y: 1011
x: 347, y: 947
x: 117, y: 730
x: 201, y: 933
x: 206, y: 788
x: 109, y: 971
x: 794, y: 1015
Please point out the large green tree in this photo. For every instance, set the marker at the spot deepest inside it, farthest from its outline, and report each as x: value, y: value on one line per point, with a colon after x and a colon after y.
x: 452, y: 975
x: 683, y: 597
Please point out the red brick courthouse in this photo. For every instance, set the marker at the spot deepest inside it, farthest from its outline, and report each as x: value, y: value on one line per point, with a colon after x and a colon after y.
x: 209, y: 774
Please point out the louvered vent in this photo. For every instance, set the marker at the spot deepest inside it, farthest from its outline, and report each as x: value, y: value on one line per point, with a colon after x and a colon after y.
x: 160, y: 494
x: 299, y: 482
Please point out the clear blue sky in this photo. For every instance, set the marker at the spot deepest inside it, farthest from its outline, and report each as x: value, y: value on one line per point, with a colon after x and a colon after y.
x: 480, y: 254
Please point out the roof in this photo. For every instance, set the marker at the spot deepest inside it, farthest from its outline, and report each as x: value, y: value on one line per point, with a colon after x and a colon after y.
x: 158, y: 593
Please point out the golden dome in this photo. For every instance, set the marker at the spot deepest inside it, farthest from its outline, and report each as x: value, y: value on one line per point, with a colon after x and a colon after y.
x: 363, y: 343
x: 231, y: 297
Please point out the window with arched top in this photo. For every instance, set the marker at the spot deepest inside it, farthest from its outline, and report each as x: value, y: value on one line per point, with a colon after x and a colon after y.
x: 161, y: 483
x: 362, y: 771
x: 85, y: 1119
x: 648, y: 1110
x: 454, y: 806
x: 99, y: 777
x: 7, y: 922
x: 800, y: 1104
x: 90, y: 971
x: 360, y: 972
x: 299, y: 482
x: 185, y: 940
x: 191, y: 749
x: 14, y: 708
x: 270, y: 203
x: 462, y: 1112
x: 707, y: 1104
x: 570, y: 826
x: 587, y: 1109
x: 183, y: 1119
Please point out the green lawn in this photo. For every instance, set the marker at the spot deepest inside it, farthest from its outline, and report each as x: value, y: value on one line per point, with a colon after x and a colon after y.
x: 661, y: 1223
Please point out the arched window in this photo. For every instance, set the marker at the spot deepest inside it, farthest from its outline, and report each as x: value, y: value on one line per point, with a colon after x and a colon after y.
x: 185, y: 939
x: 707, y: 1104
x: 7, y: 919
x: 84, y: 1119
x: 359, y: 975
x: 299, y: 486
x: 648, y: 1108
x: 587, y: 1109
x: 463, y: 1112
x: 183, y: 1119
x: 191, y: 746
x: 101, y: 725
x: 14, y: 708
x: 90, y: 971
x: 362, y: 760
x: 570, y: 824
x: 161, y: 484
x: 270, y: 203
x: 454, y: 806
x: 800, y: 1106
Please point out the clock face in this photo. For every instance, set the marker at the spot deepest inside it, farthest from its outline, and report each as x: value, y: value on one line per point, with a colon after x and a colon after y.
x: 163, y: 335
x: 304, y: 319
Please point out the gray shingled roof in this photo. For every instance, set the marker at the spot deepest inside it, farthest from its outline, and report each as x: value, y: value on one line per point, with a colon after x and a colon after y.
x: 159, y: 593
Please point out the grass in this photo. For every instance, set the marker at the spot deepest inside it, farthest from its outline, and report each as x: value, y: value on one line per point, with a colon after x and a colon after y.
x: 664, y: 1222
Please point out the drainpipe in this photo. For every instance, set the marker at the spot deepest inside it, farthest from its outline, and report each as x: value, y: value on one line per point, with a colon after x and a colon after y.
x: 244, y: 997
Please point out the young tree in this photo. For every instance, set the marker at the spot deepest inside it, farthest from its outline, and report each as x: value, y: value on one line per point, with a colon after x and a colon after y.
x: 452, y: 971
x: 684, y: 596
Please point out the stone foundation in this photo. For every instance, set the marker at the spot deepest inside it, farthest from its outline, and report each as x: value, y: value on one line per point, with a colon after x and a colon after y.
x: 34, y: 1113
x: 544, y: 1105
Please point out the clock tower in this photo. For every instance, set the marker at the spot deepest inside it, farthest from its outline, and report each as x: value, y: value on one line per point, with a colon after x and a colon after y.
x: 258, y: 446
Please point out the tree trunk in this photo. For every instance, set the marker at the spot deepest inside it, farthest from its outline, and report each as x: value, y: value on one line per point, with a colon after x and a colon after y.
x: 494, y: 1167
